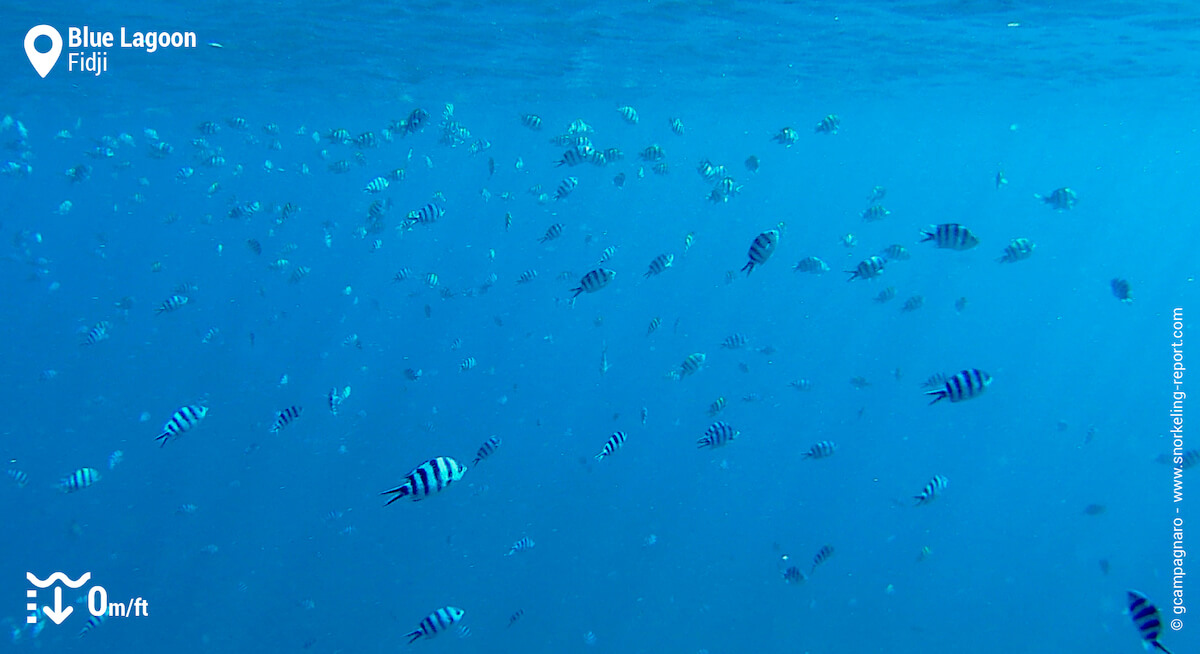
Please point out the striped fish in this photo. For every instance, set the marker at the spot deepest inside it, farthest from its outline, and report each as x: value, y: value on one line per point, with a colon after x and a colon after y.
x: 794, y: 575
x: 1147, y: 619
x: 565, y: 187
x: 552, y: 232
x: 594, y: 280
x: 1018, y: 250
x: 487, y: 449
x: 515, y: 616
x: 183, y: 420
x: 377, y: 185
x: 299, y: 274
x: 875, y: 212
x: 172, y: 303
x: 435, y: 623
x: 735, y: 342
x: 1060, y: 199
x: 786, y: 137
x: 19, y: 477
x: 867, y: 269
x: 931, y: 490
x: 913, y: 303
x: 660, y: 264
x: 652, y: 153
x: 761, y: 249
x: 527, y: 276
x: 78, y: 480
x: 950, y: 236
x: 613, y: 444
x: 284, y: 418
x: 525, y: 543
x: 717, y: 406
x: 960, y: 386
x: 886, y: 294
x: 691, y: 364
x: 821, y: 450
x: 97, y: 333
x: 812, y: 265
x: 93, y: 621
x: 822, y: 556
x: 718, y: 434
x: 430, y: 477
x: 828, y: 125
x: 532, y: 121
x: 467, y: 364
x: 572, y: 158
x: 629, y: 114
x: 676, y: 126
x: 427, y: 214
x: 896, y: 252
x: 608, y: 253
x: 653, y: 326
x: 336, y: 397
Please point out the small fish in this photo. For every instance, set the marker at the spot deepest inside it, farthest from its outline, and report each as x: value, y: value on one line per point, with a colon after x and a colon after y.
x: 613, y: 444
x: 645, y: 415
x: 19, y: 477
x: 1000, y: 180
x: 467, y: 364
x: 1147, y: 619
x: 487, y: 449
x: 655, y: 322
x: 821, y: 450
x: 960, y: 386
x: 813, y: 265
x: 171, y: 304
x: 594, y: 281
x: 1121, y: 290
x: 717, y: 406
x: 735, y: 342
x: 629, y: 114
x: 822, y: 556
x: 761, y: 249
x: 78, y: 480
x: 875, y: 213
x: 931, y: 490
x: 183, y: 420
x: 1094, y: 509
x: 951, y: 236
x: 868, y: 268
x: 435, y: 623
x: 210, y: 335
x: 718, y: 434
x: 1060, y: 199
x: 828, y: 125
x: 691, y: 364
x: 794, y: 575
x: 752, y: 164
x: 659, y: 264
x: 284, y: 418
x: 786, y: 137
x: 1018, y: 249
x: 115, y: 459
x: 515, y: 616
x: 433, y: 476
x: 913, y: 303
x: 525, y: 543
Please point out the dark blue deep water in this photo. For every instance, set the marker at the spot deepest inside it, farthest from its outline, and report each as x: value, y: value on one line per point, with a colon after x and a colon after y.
x: 1060, y: 493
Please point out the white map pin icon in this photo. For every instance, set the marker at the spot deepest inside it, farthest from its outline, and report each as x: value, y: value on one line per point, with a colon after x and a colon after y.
x: 43, y: 62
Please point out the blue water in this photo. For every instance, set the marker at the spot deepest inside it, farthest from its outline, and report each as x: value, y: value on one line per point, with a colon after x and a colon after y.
x: 934, y: 97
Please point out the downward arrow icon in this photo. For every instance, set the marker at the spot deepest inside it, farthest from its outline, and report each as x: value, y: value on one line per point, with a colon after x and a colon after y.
x: 58, y: 613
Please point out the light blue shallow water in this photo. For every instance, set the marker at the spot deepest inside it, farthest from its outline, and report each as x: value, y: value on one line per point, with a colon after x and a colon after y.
x: 661, y: 547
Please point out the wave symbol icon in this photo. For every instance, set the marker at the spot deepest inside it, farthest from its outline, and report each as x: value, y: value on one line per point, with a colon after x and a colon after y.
x: 58, y: 576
